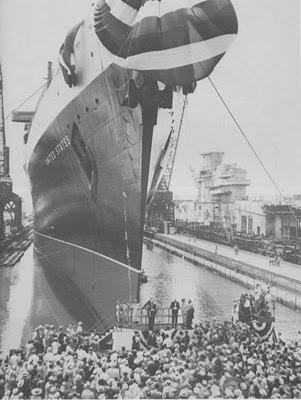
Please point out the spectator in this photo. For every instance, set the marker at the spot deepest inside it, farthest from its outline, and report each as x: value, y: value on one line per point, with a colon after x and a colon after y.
x: 217, y: 359
x: 174, y: 306
x: 136, y: 313
x: 136, y: 341
x: 151, y: 309
x: 184, y: 310
x: 125, y: 312
x: 119, y: 314
x: 189, y: 315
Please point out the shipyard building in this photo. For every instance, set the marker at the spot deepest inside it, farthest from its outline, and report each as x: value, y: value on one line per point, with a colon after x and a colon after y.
x: 222, y: 200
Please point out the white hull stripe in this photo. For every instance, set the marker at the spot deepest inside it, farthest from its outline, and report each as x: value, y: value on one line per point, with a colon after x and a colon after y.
x: 89, y: 251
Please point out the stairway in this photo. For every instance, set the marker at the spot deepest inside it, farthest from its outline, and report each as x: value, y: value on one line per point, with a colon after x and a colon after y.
x: 104, y: 329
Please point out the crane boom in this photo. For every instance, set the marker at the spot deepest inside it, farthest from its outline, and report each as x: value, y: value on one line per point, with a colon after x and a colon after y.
x: 160, y: 209
x: 171, y: 153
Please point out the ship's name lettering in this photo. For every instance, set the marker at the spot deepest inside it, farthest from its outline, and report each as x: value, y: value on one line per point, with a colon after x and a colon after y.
x: 58, y: 150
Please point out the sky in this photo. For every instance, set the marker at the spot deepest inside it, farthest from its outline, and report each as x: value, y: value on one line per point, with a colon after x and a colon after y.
x: 259, y: 78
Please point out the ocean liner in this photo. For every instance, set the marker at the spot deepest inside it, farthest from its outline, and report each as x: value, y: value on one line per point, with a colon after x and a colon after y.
x: 89, y: 145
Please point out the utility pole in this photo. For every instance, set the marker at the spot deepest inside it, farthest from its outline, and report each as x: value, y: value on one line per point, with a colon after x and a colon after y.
x: 49, y: 74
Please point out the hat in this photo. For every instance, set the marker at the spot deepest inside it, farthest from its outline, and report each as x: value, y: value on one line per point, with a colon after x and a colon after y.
x: 229, y: 393
x: 36, y: 392
x: 184, y: 394
x: 20, y: 383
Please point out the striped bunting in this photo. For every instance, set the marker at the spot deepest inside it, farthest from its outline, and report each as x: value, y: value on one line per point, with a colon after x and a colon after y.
x: 264, y: 330
x: 175, y: 41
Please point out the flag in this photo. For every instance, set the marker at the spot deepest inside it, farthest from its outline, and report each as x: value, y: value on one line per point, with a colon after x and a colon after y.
x: 265, y: 330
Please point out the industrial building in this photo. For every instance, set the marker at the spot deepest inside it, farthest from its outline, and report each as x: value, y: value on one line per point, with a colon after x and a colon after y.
x: 222, y: 200
x: 283, y: 221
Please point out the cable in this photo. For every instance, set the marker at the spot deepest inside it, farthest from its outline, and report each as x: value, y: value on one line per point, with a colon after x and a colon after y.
x: 30, y: 96
x: 25, y: 101
x: 177, y: 140
x: 251, y: 146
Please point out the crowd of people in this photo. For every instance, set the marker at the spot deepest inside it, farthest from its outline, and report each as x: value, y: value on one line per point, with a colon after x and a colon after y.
x: 258, y: 303
x: 216, y: 359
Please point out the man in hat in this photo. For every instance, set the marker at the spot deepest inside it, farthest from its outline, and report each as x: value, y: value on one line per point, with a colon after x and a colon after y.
x: 24, y: 384
x: 36, y: 394
x: 190, y: 315
x: 174, y: 306
x: 151, y: 309
x: 184, y: 309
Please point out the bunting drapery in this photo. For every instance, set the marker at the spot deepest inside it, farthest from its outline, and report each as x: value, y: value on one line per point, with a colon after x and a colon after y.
x: 173, y: 41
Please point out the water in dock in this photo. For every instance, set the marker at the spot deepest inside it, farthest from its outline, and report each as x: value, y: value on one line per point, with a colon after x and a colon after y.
x: 27, y: 297
x: 169, y: 276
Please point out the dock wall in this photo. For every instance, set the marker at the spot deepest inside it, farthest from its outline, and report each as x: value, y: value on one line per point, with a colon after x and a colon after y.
x: 285, y: 290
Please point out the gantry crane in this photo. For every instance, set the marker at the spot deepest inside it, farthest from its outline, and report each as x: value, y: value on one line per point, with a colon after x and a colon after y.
x: 10, y: 203
x: 160, y: 207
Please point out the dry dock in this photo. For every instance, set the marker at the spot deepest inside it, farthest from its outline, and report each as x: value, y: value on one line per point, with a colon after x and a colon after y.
x: 246, y: 268
x: 13, y: 247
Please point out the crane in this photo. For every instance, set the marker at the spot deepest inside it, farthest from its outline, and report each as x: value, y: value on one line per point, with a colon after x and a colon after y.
x: 10, y: 203
x: 160, y: 198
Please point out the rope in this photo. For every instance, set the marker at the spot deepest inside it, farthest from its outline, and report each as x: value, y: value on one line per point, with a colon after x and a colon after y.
x: 251, y: 147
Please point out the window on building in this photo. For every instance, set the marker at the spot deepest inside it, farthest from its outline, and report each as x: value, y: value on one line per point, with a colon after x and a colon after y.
x: 244, y: 224
x: 250, y: 226
x: 299, y: 227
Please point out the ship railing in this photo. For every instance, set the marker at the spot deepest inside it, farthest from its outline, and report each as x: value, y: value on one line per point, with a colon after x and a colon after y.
x: 105, y: 323
x: 137, y: 319
x: 140, y: 319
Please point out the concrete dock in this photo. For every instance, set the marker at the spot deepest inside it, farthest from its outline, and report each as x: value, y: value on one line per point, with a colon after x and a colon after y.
x: 13, y: 248
x: 246, y: 268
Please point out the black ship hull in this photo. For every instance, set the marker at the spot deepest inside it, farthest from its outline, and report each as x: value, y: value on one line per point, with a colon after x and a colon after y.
x: 89, y: 145
x: 89, y: 173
